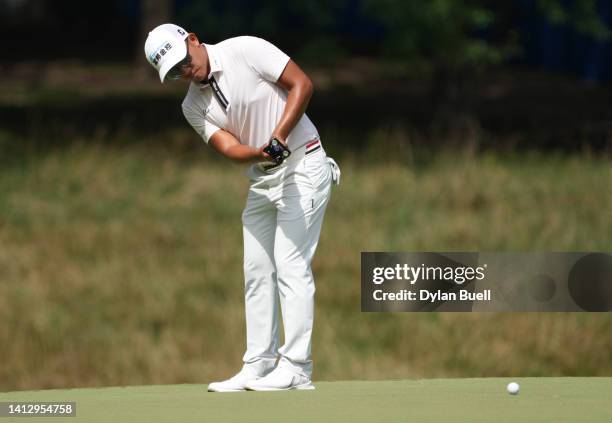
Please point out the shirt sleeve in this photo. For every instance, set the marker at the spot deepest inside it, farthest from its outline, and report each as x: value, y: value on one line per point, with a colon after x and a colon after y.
x: 202, y: 126
x: 265, y: 58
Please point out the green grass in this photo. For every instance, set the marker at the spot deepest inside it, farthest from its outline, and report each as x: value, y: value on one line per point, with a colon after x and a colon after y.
x: 123, y: 265
x: 457, y: 400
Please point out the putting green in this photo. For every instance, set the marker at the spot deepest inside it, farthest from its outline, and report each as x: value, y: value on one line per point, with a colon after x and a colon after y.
x: 456, y: 400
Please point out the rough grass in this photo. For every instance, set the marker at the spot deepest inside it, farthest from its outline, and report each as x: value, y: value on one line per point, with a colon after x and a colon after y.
x: 123, y: 265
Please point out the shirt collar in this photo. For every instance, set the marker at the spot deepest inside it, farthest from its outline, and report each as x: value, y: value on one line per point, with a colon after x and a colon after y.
x: 213, y: 59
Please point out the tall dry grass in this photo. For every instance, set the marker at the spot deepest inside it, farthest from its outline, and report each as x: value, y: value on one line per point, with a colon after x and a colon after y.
x: 122, y: 265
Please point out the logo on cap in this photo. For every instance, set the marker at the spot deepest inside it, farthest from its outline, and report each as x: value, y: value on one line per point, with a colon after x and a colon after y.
x: 156, y: 57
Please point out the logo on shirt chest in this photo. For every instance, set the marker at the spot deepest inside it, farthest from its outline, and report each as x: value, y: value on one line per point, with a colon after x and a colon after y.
x: 207, y: 109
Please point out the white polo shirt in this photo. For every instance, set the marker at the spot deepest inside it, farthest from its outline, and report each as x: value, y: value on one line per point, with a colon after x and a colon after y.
x: 247, y: 103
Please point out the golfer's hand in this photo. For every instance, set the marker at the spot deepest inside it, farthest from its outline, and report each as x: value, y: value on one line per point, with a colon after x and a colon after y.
x: 277, y: 150
x: 263, y: 156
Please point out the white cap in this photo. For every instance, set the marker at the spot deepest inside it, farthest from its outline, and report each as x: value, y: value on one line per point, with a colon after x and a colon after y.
x: 165, y: 47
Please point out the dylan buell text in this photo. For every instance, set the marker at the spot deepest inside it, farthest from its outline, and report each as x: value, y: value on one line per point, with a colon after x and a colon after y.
x: 431, y: 296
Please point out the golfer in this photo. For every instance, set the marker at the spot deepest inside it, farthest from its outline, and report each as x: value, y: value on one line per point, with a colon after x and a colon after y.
x: 245, y: 95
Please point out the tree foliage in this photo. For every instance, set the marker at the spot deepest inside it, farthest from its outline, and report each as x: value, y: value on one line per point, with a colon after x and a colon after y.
x: 449, y: 33
x: 477, y: 32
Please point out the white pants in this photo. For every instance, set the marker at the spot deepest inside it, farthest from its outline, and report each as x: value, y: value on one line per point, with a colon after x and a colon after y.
x: 281, y: 226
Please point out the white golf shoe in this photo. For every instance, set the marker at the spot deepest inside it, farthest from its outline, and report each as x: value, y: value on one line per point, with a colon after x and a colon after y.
x: 280, y: 379
x: 236, y: 383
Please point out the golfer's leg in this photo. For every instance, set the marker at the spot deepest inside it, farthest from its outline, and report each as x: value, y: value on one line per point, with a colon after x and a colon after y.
x: 261, y: 294
x: 299, y: 225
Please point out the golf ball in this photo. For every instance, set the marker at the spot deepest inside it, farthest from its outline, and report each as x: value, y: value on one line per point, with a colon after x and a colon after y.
x: 513, y: 388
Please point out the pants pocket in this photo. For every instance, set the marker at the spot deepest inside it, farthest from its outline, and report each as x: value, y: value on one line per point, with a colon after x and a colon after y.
x: 317, y: 170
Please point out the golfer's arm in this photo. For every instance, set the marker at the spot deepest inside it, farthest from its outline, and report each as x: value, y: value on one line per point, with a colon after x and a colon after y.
x: 229, y: 146
x: 299, y: 88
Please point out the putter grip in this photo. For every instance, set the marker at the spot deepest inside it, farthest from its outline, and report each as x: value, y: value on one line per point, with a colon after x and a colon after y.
x: 277, y: 151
